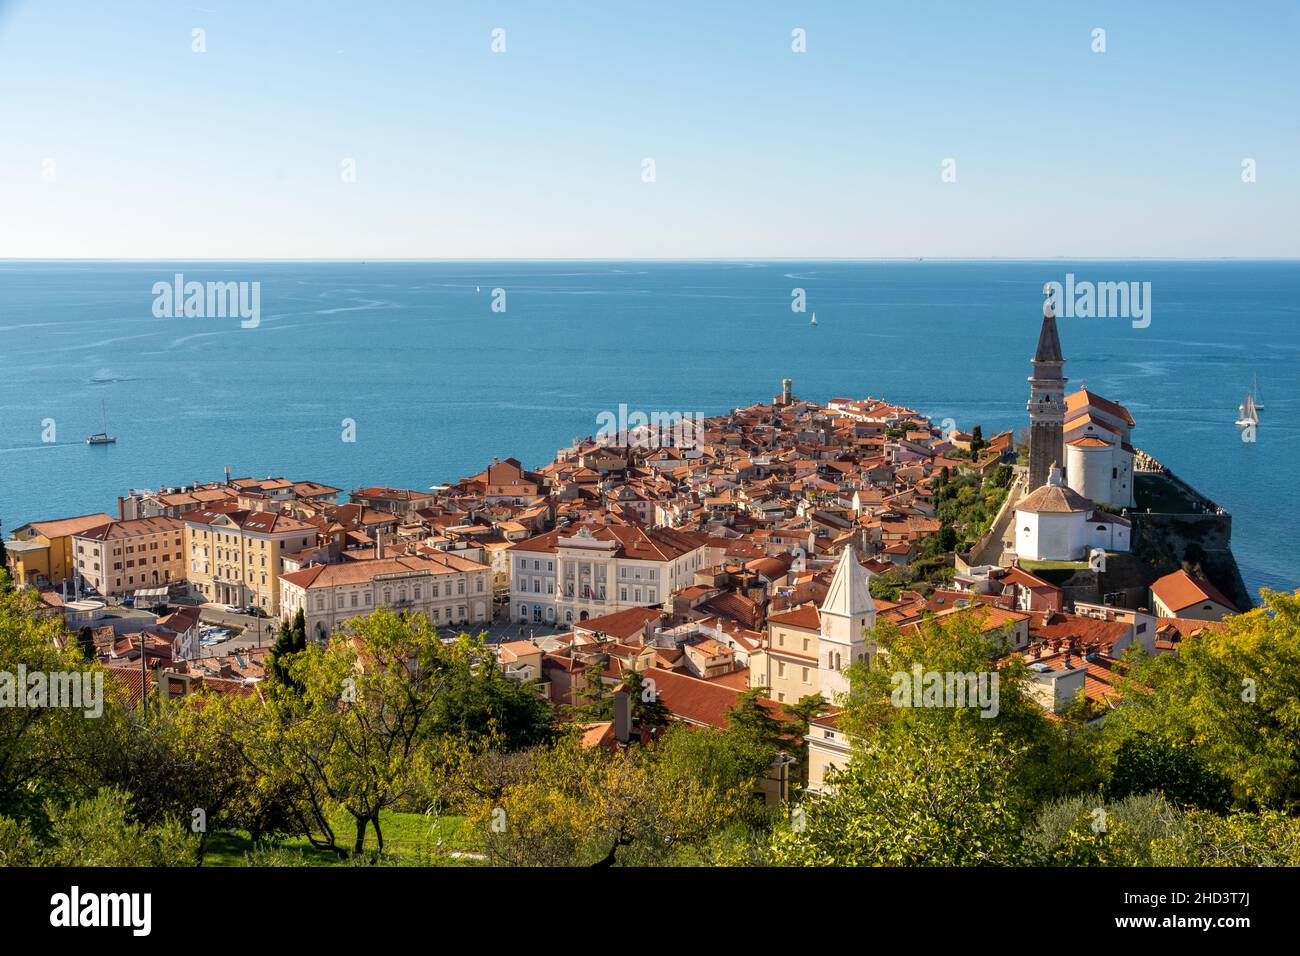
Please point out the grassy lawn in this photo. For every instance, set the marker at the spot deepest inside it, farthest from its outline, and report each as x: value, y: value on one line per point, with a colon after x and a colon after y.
x: 410, y: 839
x: 1159, y: 494
x: 1054, y: 572
x: 1033, y: 567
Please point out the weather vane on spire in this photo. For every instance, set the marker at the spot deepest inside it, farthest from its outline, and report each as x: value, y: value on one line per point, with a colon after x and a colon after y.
x: 1049, y: 300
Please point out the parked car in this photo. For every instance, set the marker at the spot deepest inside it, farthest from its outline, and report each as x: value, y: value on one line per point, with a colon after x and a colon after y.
x: 254, y: 611
x: 232, y: 608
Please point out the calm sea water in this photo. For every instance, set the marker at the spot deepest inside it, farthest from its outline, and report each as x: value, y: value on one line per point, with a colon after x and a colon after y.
x: 437, y: 383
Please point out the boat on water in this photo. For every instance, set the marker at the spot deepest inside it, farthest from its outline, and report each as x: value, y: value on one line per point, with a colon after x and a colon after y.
x: 814, y: 319
x: 1259, y: 399
x: 102, y: 437
x: 1248, y: 411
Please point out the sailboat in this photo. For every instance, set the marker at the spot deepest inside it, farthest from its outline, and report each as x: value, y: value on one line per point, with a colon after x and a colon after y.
x: 1259, y: 399
x: 1249, y: 415
x: 814, y: 319
x: 102, y: 438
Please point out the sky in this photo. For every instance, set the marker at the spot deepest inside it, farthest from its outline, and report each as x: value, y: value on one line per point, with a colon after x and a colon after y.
x: 119, y: 140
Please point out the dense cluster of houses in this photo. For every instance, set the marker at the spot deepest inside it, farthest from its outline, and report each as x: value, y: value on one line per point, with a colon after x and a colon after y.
x: 710, y: 559
x: 739, y: 558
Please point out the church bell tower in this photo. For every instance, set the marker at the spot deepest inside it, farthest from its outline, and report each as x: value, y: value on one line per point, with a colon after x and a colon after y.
x: 846, y: 614
x: 1046, y: 400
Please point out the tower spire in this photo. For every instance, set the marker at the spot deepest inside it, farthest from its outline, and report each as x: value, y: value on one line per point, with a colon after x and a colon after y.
x: 843, y: 619
x: 1046, y: 397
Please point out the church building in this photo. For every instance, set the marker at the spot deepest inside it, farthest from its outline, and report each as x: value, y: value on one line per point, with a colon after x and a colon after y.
x: 1057, y: 520
x: 809, y: 647
x: 1085, y: 435
x: 1098, y: 456
x: 1056, y: 523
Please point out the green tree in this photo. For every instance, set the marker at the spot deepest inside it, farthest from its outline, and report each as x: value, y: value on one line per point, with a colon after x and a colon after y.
x: 290, y: 640
x: 599, y: 699
x: 574, y: 806
x: 188, y: 759
x: 1055, y: 758
x: 97, y: 831
x: 1087, y: 831
x: 751, y: 717
x: 804, y: 711
x: 478, y: 704
x: 358, y: 739
x: 935, y: 796
x: 1148, y: 764
x: 1267, y: 838
x: 50, y: 753
x: 1233, y: 695
x: 86, y: 642
x: 647, y: 709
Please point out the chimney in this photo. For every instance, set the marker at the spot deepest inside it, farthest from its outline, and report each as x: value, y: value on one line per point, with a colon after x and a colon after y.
x: 379, y: 545
x: 622, y: 715
x: 227, y: 476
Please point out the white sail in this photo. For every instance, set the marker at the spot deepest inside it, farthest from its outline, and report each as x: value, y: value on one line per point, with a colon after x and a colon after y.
x: 1249, y: 416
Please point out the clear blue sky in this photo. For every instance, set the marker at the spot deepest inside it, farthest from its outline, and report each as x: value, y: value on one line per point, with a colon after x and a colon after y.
x: 537, y: 152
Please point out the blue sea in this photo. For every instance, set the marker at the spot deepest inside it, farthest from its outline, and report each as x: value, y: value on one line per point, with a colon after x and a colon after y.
x: 437, y: 382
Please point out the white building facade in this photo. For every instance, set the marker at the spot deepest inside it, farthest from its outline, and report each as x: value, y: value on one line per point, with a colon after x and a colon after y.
x: 449, y: 590
x: 567, y: 576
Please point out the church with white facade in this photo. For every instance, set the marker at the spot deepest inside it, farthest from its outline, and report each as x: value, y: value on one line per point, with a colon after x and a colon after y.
x: 1056, y: 523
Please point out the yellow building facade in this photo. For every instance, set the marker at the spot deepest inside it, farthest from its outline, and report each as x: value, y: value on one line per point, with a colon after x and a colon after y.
x: 235, y: 557
x: 39, y: 554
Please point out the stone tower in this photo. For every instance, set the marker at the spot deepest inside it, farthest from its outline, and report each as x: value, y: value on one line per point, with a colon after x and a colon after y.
x: 1046, y: 402
x: 845, y: 614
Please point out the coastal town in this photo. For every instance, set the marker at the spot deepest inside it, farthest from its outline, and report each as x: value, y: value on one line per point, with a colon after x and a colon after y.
x: 705, y: 558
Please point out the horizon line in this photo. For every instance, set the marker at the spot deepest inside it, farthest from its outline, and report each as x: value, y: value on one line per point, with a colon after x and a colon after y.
x: 418, y: 259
